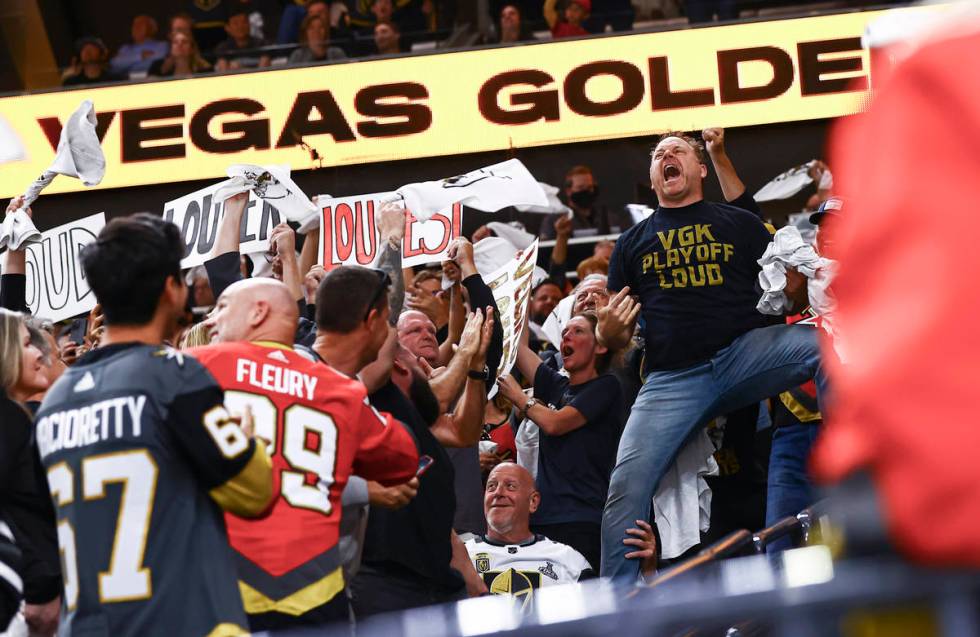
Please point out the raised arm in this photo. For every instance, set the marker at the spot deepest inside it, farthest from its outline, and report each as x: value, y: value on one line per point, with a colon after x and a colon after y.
x: 731, y: 185
x: 554, y: 422
x: 449, y: 383
x: 391, y: 226
x: 309, y: 254
x: 13, y: 286
x: 617, y: 320
x: 457, y: 320
x: 223, y: 267
x: 480, y: 295
x: 283, y: 242
x: 464, y: 426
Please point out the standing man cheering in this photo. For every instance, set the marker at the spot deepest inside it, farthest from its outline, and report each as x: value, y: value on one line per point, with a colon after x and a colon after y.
x: 708, y: 350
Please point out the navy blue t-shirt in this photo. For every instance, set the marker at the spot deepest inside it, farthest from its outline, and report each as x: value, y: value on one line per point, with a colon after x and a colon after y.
x: 695, y: 270
x: 574, y: 468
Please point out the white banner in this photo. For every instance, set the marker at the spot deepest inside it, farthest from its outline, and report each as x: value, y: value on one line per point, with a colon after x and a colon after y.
x: 198, y: 214
x: 511, y: 285
x: 56, y: 285
x: 349, y: 233
x: 508, y: 183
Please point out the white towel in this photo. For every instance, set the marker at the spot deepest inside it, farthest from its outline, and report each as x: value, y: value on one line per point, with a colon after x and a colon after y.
x: 270, y: 183
x: 518, y: 237
x: 787, y: 184
x: 788, y: 249
x: 78, y: 155
x: 682, y: 504
x: 18, y: 230
x: 491, y: 188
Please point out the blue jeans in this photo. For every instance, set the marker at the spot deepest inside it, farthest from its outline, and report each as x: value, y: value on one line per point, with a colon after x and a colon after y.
x: 673, y: 404
x: 789, y: 489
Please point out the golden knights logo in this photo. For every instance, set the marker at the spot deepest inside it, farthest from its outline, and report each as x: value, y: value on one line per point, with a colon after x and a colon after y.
x: 518, y: 584
x: 482, y: 562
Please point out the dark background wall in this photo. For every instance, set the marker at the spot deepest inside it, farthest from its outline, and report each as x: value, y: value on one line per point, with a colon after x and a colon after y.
x: 621, y: 167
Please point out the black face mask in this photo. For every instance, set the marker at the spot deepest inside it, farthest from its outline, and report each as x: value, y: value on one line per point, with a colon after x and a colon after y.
x: 584, y: 198
x: 425, y: 401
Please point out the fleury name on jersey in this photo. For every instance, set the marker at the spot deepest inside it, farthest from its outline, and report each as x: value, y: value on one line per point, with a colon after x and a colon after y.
x: 86, y: 425
x: 275, y: 379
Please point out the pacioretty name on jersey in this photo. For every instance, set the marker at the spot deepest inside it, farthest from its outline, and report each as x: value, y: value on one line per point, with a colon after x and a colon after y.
x: 89, y: 424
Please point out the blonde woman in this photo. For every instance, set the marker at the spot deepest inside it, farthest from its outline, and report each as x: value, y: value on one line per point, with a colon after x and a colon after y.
x: 24, y: 500
x: 22, y: 370
x: 183, y: 60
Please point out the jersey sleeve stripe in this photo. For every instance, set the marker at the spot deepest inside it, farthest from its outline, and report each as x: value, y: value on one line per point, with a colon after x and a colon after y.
x: 248, y: 493
x: 316, y: 594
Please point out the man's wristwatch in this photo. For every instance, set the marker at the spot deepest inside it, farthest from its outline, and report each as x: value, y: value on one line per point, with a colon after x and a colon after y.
x: 531, y: 402
x: 482, y: 375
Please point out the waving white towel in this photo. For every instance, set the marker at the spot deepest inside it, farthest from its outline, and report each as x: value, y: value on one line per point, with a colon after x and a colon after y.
x: 508, y: 183
x: 786, y: 250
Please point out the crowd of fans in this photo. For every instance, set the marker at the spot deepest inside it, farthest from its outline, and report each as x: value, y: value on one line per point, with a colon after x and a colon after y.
x: 447, y: 490
x: 238, y: 34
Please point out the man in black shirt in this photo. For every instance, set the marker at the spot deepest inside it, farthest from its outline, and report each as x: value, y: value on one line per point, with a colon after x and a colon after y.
x: 694, y: 265
x: 411, y: 555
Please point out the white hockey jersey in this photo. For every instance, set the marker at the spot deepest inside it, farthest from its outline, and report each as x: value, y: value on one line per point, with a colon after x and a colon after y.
x: 520, y: 569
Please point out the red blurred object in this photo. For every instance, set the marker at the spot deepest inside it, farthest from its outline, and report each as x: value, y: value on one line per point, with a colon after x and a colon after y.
x: 904, y: 405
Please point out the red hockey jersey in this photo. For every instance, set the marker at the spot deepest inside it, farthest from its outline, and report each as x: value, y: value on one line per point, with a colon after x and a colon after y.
x: 321, y: 429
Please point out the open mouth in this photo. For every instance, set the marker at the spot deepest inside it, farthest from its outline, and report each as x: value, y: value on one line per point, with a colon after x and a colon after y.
x: 567, y: 350
x: 671, y: 171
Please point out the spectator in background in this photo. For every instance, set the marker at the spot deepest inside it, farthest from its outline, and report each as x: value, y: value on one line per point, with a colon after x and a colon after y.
x: 511, y: 27
x: 239, y: 51
x: 580, y: 419
x: 181, y: 22
x: 387, y: 39
x: 336, y: 14
x: 90, y: 64
x: 315, y: 38
x: 569, y: 24
x: 705, y: 10
x: 183, y: 60
x: 139, y: 55
x: 592, y: 265
x: 409, y: 15
x: 603, y: 249
x: 497, y: 443
x: 544, y: 299
x: 417, y: 333
x: 580, y: 192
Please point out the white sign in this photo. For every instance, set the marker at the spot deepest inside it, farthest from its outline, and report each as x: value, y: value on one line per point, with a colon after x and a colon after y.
x: 198, y: 215
x: 511, y: 285
x: 349, y: 232
x: 56, y: 286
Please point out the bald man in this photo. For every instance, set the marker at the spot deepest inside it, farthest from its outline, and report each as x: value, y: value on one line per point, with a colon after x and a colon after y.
x: 320, y: 430
x: 417, y: 333
x: 514, y: 561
